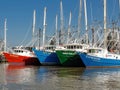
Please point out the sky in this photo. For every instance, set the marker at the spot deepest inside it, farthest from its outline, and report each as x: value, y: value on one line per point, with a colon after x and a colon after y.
x: 19, y: 14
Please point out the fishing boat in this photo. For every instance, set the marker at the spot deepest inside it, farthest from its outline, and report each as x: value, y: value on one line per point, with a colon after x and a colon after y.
x: 99, y: 57
x: 22, y: 55
x: 68, y: 55
x: 47, y: 56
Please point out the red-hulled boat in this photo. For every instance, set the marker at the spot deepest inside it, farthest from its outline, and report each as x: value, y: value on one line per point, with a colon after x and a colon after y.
x: 21, y: 55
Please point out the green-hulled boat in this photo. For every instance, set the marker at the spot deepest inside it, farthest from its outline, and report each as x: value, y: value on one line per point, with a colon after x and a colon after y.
x: 68, y: 55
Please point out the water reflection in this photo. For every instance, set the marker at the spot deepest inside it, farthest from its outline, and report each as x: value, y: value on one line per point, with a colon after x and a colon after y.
x: 79, y: 78
x: 59, y: 78
x: 20, y: 77
x: 3, y: 76
x: 101, y: 78
x: 19, y: 74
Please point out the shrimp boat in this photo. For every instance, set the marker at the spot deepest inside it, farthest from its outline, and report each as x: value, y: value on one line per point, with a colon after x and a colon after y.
x: 22, y: 55
x: 47, y: 56
x: 100, y: 57
x: 68, y: 55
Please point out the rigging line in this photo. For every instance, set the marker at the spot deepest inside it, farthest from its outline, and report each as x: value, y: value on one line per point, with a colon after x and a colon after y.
x: 26, y: 35
x: 31, y: 43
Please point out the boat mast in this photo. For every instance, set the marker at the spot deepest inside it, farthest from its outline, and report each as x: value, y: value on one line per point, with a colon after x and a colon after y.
x: 56, y: 26
x: 119, y: 18
x: 5, y: 30
x: 85, y: 8
x: 61, y: 22
x: 79, y: 18
x: 44, y: 26
x: 34, y: 20
x: 39, y: 35
x: 68, y: 39
x: 105, y: 23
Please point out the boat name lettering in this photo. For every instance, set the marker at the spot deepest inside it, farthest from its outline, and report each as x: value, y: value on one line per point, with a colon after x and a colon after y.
x: 93, y: 58
x: 13, y: 55
x: 69, y: 53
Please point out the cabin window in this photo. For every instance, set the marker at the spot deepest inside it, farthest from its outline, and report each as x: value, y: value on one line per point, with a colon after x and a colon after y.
x: 15, y: 50
x: 51, y: 47
x: 99, y: 51
x: 77, y: 47
x: 80, y: 47
x: 68, y: 47
x: 92, y: 51
x: 65, y: 47
x: 72, y: 47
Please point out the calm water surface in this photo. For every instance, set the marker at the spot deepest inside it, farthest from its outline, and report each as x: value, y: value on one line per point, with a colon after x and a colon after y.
x: 19, y: 77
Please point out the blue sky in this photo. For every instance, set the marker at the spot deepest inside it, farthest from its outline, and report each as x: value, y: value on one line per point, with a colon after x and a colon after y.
x: 19, y: 14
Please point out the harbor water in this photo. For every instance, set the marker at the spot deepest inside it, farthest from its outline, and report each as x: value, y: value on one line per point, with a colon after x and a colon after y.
x: 20, y: 77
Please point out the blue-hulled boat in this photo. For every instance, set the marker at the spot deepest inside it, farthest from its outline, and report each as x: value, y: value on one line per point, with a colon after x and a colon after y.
x: 47, y: 56
x: 99, y: 57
